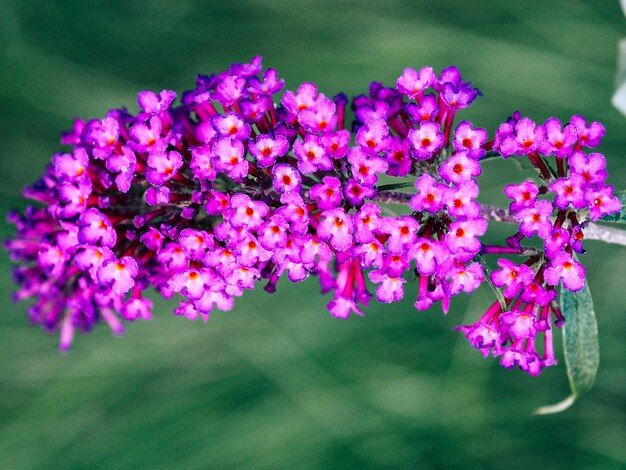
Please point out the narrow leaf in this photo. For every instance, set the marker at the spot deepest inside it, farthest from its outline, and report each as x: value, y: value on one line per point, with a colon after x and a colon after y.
x: 619, y: 217
x: 393, y: 186
x: 490, y: 155
x: 557, y: 407
x: 497, y: 292
x: 580, y: 339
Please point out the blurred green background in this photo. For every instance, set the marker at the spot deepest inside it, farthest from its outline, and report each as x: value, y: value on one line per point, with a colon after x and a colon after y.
x: 277, y: 382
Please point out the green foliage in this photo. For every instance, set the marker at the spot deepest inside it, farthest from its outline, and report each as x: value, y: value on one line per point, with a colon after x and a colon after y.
x: 580, y: 346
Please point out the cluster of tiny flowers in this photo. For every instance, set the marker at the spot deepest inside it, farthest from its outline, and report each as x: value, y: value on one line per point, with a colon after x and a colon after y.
x: 233, y: 186
x: 571, y: 181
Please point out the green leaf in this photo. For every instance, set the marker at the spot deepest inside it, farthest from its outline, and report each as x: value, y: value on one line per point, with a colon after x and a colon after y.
x: 619, y: 217
x: 393, y: 186
x: 497, y: 292
x: 490, y: 155
x: 580, y: 346
x: 580, y: 339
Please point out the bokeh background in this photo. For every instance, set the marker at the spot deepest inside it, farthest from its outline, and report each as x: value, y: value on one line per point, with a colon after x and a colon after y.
x: 277, y: 382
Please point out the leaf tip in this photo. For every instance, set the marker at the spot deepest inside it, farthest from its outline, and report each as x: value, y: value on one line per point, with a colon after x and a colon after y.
x: 557, y: 407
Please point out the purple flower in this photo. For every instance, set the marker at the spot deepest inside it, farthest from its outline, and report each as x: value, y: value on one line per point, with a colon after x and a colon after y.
x: 364, y: 167
x: 266, y: 149
x: 229, y: 90
x: 163, y: 167
x: 355, y: 193
x: 592, y: 167
x: 466, y: 137
x: 465, y: 278
x: 201, y: 164
x: 151, y: 103
x: 305, y: 98
x: 125, y: 165
x: 320, y: 118
x: 559, y: 141
x: 336, y: 226
x: 426, y: 110
x: 147, y: 138
x: 335, y: 143
x: 536, y: 219
x: 460, y: 201
x: 327, y: 193
x: 588, y: 136
x: 427, y: 253
x: 413, y: 84
x: 71, y: 168
x: 524, y: 195
x: 512, y: 277
x: 311, y: 155
x: 462, y: 235
x: 483, y: 337
x: 391, y: 289
x: 340, y: 307
x: 246, y: 212
x: 460, y: 167
x: 564, y: 267
x: 602, y: 202
x: 137, y: 308
x: 373, y: 138
x: 426, y: 140
x: 95, y: 229
x: 569, y: 191
x: 429, y: 196
x: 231, y: 126
x: 402, y: 232
x: 287, y: 179
x: 366, y: 222
x: 195, y: 243
x: 118, y: 274
x: 228, y: 156
x: 270, y: 85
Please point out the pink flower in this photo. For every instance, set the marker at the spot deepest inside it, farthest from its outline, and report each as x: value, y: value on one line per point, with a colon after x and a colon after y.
x: 118, y: 274
x: 564, y: 267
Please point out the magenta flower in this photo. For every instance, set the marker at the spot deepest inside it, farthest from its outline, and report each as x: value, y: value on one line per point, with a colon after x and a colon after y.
x: 311, y: 155
x: 95, y: 229
x: 588, y: 136
x: 512, y: 277
x: 462, y: 166
x: 336, y: 226
x: 163, y: 167
x: 462, y: 236
x: 320, y: 118
x: 429, y: 196
x: 228, y: 156
x: 266, y: 149
x: 564, y: 267
x: 591, y: 167
x: 231, y: 126
x: 559, y: 141
x: 536, y: 219
x: 373, y: 138
x: 524, y: 195
x: 413, y: 84
x: 119, y: 274
x: 426, y: 140
x: 460, y: 201
x: 364, y: 167
x: 327, y: 193
x: 466, y: 137
x: 602, y: 202
x: 287, y: 179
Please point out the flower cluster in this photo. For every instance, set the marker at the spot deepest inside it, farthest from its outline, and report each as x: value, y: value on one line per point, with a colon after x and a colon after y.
x: 549, y: 211
x: 233, y: 186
